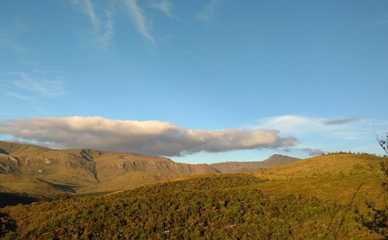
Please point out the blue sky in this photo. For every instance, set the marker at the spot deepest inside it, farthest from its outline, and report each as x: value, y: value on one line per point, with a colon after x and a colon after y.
x: 199, y: 65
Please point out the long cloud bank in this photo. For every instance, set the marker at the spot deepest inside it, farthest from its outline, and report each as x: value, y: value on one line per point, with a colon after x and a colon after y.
x: 146, y: 137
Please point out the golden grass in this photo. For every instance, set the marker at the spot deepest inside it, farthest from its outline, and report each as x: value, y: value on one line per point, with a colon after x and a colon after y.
x: 334, y: 177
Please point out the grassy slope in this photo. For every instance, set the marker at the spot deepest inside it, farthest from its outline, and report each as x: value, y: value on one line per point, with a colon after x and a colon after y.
x: 308, y: 199
x: 58, y: 169
x: 118, y: 172
x: 48, y: 172
x: 334, y: 177
x: 251, y: 167
x: 217, y: 207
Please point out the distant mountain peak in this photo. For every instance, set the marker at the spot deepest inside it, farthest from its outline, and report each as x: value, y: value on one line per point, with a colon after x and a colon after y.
x: 279, y: 159
x: 41, y: 170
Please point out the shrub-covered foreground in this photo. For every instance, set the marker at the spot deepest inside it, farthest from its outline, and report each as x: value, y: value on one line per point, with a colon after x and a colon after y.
x: 376, y: 219
x: 218, y: 207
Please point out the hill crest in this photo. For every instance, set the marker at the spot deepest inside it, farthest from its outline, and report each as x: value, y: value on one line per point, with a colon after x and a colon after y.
x: 251, y: 167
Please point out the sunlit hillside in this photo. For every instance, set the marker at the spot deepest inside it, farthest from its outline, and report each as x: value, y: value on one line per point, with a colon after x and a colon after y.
x: 319, y: 198
x: 220, y: 207
x: 50, y: 172
x: 334, y: 177
x: 194, y: 119
x: 44, y: 171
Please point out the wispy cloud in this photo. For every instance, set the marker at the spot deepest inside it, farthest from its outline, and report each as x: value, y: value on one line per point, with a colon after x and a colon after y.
x: 89, y: 10
x: 103, y: 29
x: 24, y: 86
x: 41, y: 87
x: 326, y: 134
x: 164, y: 6
x: 147, y: 137
x: 300, y: 124
x: 312, y: 151
x: 304, y: 150
x: 139, y: 19
x: 18, y: 96
x: 103, y: 26
x: 107, y: 35
x: 207, y: 10
x: 340, y: 121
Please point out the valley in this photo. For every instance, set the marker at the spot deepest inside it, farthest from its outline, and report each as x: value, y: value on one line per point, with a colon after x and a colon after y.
x: 89, y: 194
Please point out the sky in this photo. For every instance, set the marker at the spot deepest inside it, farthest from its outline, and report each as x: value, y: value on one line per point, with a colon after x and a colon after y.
x: 196, y: 81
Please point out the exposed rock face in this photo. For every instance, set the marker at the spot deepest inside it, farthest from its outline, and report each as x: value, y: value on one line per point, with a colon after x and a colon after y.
x: 87, y: 168
x: 8, y: 167
x: 112, y: 164
x: 28, y: 168
x: 54, y: 165
x: 8, y: 163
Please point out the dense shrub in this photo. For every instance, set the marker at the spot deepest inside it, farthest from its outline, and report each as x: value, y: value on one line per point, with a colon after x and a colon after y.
x: 7, y: 226
x: 376, y: 218
x: 219, y: 207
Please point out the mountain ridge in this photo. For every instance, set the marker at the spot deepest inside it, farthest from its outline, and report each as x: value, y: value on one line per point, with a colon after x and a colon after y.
x: 44, y: 171
x: 251, y: 167
x: 312, y: 196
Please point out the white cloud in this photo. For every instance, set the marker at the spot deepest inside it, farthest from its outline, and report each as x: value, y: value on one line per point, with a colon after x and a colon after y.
x: 139, y: 19
x: 147, y: 137
x: 297, y: 134
x: 319, y: 134
x: 293, y: 124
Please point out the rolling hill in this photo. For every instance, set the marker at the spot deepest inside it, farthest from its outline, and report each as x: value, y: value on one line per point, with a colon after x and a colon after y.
x: 250, y: 167
x: 335, y: 177
x: 46, y: 172
x: 43, y: 171
x: 214, y: 207
x: 131, y: 196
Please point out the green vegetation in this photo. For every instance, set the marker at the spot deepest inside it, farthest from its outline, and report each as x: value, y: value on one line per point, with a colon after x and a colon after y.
x: 376, y: 218
x: 49, y: 172
x: 332, y: 177
x: 217, y: 207
x: 335, y: 196
x: 7, y: 227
